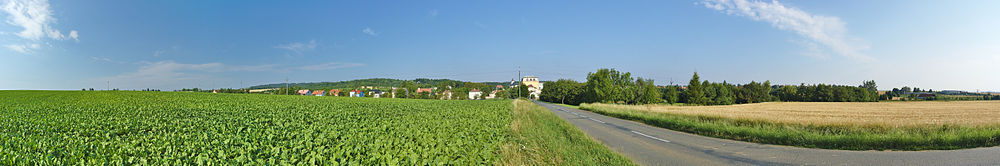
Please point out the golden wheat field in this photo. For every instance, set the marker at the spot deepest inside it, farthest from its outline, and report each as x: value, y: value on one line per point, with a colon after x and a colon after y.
x: 897, y: 114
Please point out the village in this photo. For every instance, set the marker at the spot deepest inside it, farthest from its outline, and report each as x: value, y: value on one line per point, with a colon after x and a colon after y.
x: 533, y: 88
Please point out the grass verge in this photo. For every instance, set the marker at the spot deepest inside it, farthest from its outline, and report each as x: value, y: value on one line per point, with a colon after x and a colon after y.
x: 539, y: 137
x: 846, y: 137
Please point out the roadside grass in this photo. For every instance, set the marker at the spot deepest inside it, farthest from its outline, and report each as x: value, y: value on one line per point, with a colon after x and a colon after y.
x: 539, y: 137
x: 826, y: 136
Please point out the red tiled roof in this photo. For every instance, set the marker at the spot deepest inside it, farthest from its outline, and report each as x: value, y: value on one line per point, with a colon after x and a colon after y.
x: 317, y: 92
x: 475, y: 90
x: 423, y: 90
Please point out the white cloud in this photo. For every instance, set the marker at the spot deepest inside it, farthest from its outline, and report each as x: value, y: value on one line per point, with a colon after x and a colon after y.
x: 812, y: 49
x: 75, y: 35
x: 23, y: 48
x: 369, y: 31
x: 157, y: 53
x: 299, y: 47
x: 103, y: 59
x: 170, y: 74
x: 330, y: 66
x: 35, y: 17
x: 165, y: 74
x: 826, y: 30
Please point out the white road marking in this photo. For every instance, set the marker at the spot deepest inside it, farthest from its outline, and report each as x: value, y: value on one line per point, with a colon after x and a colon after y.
x: 582, y: 116
x: 644, y: 135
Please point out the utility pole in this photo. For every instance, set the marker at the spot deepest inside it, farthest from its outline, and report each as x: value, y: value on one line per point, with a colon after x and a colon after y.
x: 109, y: 84
x: 519, y: 82
x: 286, y: 85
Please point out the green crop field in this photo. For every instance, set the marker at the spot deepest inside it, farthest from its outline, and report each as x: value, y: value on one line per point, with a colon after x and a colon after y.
x: 175, y: 127
x: 172, y: 128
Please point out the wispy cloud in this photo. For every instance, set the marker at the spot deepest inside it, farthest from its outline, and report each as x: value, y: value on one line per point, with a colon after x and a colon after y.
x: 433, y: 13
x: 826, y: 30
x: 23, y: 48
x: 369, y: 31
x: 331, y: 66
x: 480, y: 25
x: 157, y: 53
x: 166, y: 74
x: 35, y: 17
x: 171, y: 74
x: 108, y: 60
x: 298, y: 47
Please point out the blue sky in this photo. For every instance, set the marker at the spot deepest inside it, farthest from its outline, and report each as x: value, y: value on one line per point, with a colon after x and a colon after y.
x: 225, y: 44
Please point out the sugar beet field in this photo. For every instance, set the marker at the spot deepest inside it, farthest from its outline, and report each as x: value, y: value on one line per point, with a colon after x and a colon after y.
x: 67, y: 127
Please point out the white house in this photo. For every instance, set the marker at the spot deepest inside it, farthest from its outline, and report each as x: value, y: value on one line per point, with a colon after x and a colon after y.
x: 475, y: 93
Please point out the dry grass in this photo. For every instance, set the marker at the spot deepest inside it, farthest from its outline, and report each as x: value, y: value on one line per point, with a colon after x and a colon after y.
x: 892, y: 114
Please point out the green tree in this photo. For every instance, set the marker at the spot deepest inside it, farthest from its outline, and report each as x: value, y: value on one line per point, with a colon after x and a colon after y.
x: 647, y: 92
x: 596, y: 87
x: 670, y: 94
x: 523, y: 92
x: 724, y: 94
x: 870, y: 85
x: 562, y: 90
x: 787, y: 93
x: 695, y: 93
x: 710, y: 92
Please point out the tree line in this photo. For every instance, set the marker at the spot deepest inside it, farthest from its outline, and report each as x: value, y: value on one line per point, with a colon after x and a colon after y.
x: 612, y: 86
x: 604, y: 86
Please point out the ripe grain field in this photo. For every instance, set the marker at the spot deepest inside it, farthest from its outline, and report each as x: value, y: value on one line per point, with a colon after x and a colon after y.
x: 831, y: 125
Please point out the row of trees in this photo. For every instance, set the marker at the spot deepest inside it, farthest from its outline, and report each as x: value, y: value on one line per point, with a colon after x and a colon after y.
x: 605, y: 86
x: 828, y: 93
x: 612, y: 86
x: 713, y: 93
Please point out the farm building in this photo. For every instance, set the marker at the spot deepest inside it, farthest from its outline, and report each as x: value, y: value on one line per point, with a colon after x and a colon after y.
x: 357, y: 93
x: 260, y: 90
x: 304, y: 92
x: 493, y: 94
x: 475, y: 94
x: 534, y: 86
x: 376, y: 93
x: 318, y: 93
x: 926, y: 95
x: 428, y: 90
x: 334, y: 92
x: 446, y: 95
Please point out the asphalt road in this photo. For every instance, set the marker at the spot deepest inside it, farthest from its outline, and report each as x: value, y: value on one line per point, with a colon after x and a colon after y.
x: 649, y: 145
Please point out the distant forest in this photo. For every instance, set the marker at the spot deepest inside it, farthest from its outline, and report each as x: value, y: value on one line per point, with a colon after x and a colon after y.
x: 375, y: 82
